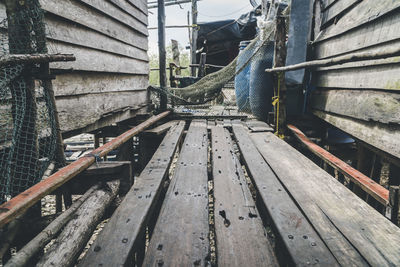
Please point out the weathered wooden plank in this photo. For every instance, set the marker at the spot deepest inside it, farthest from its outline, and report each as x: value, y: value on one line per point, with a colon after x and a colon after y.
x: 372, y: 34
x: 140, y: 4
x: 161, y: 128
x: 366, y: 12
x: 94, y: 60
x: 327, y: 3
x: 381, y: 136
x: 79, y: 13
x: 258, y: 126
x: 86, y: 83
x: 288, y: 219
x: 365, y: 105
x: 131, y: 10
x: 77, y: 112
x: 79, y: 230
x: 112, y: 11
x: 372, y: 235
x: 371, y: 77
x: 240, y: 236
x: 78, y: 35
x: 115, y: 244
x: 180, y: 237
x: 338, y: 8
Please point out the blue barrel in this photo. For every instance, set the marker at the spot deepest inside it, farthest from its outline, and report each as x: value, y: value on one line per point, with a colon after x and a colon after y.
x: 242, y: 79
x: 261, y: 83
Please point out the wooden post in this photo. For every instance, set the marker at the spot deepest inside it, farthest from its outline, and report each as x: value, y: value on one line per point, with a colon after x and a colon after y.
x: 162, y: 53
x: 280, y: 60
x: 176, y: 56
x: 194, y: 36
x: 202, y: 66
x: 394, y: 203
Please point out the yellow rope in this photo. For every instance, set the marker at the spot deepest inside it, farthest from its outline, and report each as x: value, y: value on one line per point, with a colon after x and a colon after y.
x: 276, y: 102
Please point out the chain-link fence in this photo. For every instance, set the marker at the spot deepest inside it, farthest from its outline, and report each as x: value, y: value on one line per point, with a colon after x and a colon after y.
x: 28, y: 132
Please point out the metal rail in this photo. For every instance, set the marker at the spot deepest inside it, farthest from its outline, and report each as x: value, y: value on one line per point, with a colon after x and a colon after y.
x: 372, y: 188
x: 20, y: 203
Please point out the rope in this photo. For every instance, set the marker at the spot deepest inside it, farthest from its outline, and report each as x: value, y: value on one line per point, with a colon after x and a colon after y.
x: 276, y: 104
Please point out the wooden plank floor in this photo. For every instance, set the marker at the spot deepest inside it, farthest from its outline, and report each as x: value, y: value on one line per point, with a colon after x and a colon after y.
x: 240, y: 196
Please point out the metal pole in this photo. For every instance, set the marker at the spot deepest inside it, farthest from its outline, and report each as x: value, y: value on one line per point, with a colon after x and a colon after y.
x: 162, y: 52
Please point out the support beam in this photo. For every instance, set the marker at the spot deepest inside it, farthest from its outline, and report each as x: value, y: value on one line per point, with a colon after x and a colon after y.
x: 162, y: 54
x: 193, y: 46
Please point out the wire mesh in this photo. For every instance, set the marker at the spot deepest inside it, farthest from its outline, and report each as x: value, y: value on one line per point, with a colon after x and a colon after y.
x: 27, y: 123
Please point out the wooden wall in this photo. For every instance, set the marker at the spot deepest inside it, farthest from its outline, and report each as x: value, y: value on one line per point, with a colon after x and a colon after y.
x: 108, y: 81
x: 363, y: 98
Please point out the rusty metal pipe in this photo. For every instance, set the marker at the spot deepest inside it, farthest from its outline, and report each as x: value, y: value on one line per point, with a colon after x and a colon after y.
x: 20, y: 203
x: 372, y: 188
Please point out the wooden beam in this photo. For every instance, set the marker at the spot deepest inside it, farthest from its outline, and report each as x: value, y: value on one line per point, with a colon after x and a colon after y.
x: 282, y: 209
x: 78, y: 231
x: 23, y: 255
x: 237, y: 222
x: 181, y: 234
x: 130, y: 219
x: 193, y: 44
x: 162, y: 54
x: 367, y: 232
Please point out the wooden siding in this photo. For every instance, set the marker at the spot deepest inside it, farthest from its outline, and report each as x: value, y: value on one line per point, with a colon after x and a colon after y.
x: 108, y: 81
x: 362, y: 98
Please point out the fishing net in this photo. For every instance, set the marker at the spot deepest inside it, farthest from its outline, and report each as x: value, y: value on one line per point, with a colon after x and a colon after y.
x: 27, y: 113
x: 210, y: 86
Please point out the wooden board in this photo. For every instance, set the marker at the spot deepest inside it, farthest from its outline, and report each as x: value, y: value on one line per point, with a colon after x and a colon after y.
x: 86, y: 16
x: 115, y: 244
x: 94, y: 60
x: 78, y: 35
x: 366, y: 105
x: 117, y: 14
x: 377, y: 33
x: 371, y: 234
x: 240, y: 237
x: 338, y: 8
x: 258, y: 126
x: 180, y: 237
x: 327, y: 3
x: 383, y: 77
x: 131, y: 10
x: 367, y: 11
x: 298, y: 236
x: 159, y: 130
x: 381, y: 136
x: 140, y: 4
x: 77, y: 112
x: 87, y: 83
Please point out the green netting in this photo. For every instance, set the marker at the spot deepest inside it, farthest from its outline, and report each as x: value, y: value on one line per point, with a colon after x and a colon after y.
x: 27, y: 122
x: 210, y: 86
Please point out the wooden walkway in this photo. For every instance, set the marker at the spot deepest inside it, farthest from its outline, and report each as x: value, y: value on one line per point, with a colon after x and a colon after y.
x: 240, y: 196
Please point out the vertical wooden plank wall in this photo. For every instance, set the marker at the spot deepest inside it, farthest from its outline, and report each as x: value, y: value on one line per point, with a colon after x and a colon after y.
x: 107, y: 83
x: 362, y: 98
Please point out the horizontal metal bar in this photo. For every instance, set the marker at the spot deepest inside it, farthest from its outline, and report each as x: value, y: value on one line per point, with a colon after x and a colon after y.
x: 372, y: 188
x: 20, y: 203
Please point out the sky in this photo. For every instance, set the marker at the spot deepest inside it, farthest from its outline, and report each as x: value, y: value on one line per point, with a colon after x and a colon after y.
x: 209, y: 10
